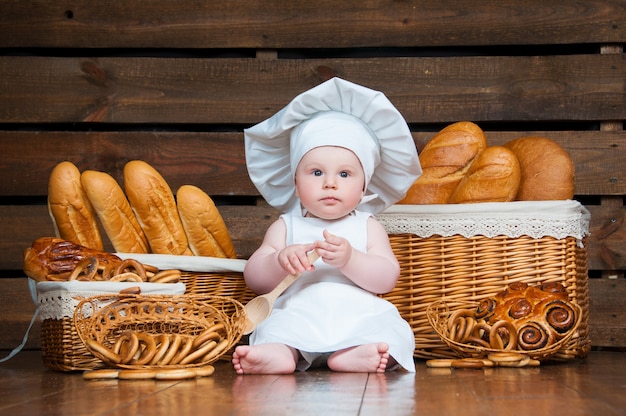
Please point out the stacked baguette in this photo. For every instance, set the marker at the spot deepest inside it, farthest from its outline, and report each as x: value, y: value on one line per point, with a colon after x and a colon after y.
x: 145, y: 219
x: 459, y: 167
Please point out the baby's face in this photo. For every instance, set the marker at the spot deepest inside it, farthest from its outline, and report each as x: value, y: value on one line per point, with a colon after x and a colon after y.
x: 329, y: 182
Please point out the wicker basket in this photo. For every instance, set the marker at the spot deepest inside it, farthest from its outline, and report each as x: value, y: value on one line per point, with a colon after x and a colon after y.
x: 62, y: 348
x: 104, y: 319
x: 465, y: 253
x: 438, y: 313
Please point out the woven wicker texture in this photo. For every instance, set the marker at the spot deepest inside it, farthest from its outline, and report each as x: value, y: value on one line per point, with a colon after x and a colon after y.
x: 105, y: 320
x: 439, y: 313
x: 228, y: 284
x: 63, y: 350
x: 464, y: 269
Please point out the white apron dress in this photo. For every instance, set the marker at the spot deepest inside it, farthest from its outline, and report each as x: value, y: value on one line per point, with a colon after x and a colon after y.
x: 323, y: 311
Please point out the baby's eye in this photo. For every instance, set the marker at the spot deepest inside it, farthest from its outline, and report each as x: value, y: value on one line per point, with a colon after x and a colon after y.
x: 317, y: 172
x: 344, y: 174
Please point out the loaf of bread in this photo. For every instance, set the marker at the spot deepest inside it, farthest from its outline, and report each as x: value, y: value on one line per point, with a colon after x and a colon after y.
x: 114, y: 212
x: 494, y: 176
x: 445, y: 160
x: 154, y: 206
x: 73, y: 217
x: 547, y: 171
x: 51, y: 258
x: 206, y: 231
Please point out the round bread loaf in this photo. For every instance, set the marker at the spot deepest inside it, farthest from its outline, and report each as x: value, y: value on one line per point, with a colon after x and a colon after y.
x: 547, y: 171
x: 206, y: 231
x: 494, y: 176
x: 154, y: 206
x: 73, y: 217
x: 445, y: 159
x: 114, y: 211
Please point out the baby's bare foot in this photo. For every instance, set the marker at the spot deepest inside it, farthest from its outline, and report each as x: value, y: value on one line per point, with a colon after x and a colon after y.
x: 264, y: 359
x: 369, y: 358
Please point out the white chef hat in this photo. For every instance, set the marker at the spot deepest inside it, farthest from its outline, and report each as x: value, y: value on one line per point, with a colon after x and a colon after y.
x: 334, y: 113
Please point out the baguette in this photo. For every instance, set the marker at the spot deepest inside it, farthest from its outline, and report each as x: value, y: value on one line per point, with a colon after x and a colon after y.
x: 206, y: 231
x: 494, y: 176
x: 153, y: 203
x: 546, y: 168
x: 114, y: 211
x: 445, y: 160
x: 73, y: 217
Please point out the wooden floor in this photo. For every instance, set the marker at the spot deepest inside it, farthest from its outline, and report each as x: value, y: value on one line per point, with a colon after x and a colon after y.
x: 594, y: 386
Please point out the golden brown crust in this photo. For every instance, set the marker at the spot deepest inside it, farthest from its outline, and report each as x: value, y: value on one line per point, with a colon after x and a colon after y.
x: 155, y: 208
x: 445, y: 159
x: 547, y: 171
x: 51, y: 258
x: 72, y: 215
x: 494, y: 176
x: 114, y: 211
x: 204, y: 226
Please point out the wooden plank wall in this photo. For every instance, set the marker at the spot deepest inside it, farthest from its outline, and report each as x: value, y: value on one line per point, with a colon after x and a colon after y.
x: 175, y: 82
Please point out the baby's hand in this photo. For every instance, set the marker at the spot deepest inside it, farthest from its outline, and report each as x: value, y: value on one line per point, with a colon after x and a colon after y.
x: 334, y: 250
x: 294, y: 258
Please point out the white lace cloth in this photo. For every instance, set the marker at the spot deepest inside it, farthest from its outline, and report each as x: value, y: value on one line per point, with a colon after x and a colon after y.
x: 57, y: 300
x: 536, y: 219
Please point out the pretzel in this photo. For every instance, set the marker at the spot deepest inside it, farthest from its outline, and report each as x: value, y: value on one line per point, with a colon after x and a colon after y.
x: 175, y: 374
x: 137, y: 374
x: 126, y: 277
x: 89, y: 265
x: 207, y: 334
x: 217, y: 350
x: 130, y: 265
x: 127, y: 345
x: 496, y: 340
x: 165, y: 276
x: 163, y: 343
x: 109, y: 355
x: 101, y: 374
x: 200, y: 352
x: 204, y: 371
x: 147, y: 347
x: 173, y: 348
x: 468, y: 363
x: 501, y: 357
x: 183, y: 351
x: 439, y: 363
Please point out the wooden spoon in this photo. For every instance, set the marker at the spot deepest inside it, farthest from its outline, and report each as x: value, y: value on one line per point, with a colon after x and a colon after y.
x: 260, y: 307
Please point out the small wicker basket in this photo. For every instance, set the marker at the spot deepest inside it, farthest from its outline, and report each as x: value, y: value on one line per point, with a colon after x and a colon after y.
x: 62, y: 348
x: 438, y: 313
x: 104, y: 319
x: 465, y: 253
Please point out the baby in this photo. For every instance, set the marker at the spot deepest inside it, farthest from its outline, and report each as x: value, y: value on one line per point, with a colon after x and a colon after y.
x: 329, y: 173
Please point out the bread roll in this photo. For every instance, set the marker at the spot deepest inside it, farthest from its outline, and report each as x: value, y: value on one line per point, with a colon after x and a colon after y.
x: 205, y: 228
x: 445, y: 159
x: 547, y: 169
x: 154, y: 206
x: 51, y: 258
x: 494, y: 176
x: 114, y: 211
x: 73, y: 217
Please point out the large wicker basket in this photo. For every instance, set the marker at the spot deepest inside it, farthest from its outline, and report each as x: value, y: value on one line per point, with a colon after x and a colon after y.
x: 62, y: 348
x: 469, y: 252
